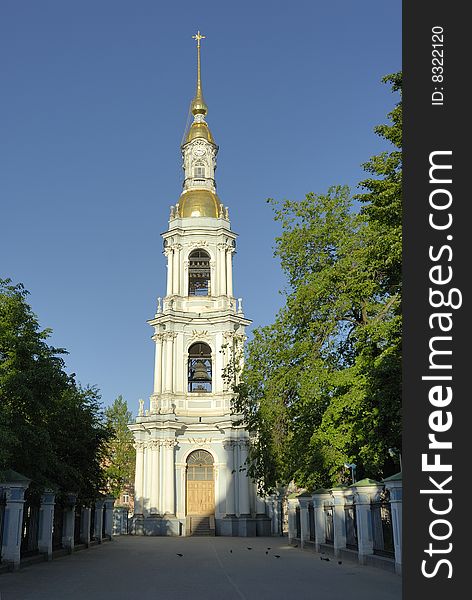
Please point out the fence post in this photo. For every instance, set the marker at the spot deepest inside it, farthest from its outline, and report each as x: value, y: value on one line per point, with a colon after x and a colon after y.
x: 46, y: 518
x: 99, y: 520
x: 304, y: 500
x: 274, y: 506
x: 394, y: 485
x: 108, y: 502
x: 15, y: 486
x: 339, y: 519
x: 292, y: 519
x: 69, y: 522
x: 85, y: 518
x: 365, y: 491
x: 319, y: 497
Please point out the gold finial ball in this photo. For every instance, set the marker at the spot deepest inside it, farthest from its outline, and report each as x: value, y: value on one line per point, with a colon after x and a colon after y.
x: 199, y: 106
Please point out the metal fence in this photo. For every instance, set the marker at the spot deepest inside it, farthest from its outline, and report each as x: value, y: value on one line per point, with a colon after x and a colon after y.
x: 30, y: 524
x: 329, y: 524
x: 297, y: 522
x: 77, y: 524
x: 2, y: 518
x: 311, y: 521
x: 57, y: 526
x: 120, y: 521
x: 351, y: 526
x: 382, y: 529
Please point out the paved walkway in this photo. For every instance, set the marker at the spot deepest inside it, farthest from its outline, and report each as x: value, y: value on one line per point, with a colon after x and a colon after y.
x: 145, y: 568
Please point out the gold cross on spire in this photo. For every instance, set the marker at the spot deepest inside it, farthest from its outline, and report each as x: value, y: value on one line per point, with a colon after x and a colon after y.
x: 198, y: 37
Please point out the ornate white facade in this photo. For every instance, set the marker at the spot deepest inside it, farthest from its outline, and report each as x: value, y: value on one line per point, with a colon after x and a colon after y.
x: 190, y: 449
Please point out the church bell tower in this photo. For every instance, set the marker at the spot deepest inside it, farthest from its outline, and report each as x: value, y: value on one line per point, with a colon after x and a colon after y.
x: 191, y: 451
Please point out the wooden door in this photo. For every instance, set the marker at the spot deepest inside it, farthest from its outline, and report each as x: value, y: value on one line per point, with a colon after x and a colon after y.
x: 200, y: 497
x: 200, y: 484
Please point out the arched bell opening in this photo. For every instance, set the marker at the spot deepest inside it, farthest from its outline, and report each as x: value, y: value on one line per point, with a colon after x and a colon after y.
x: 200, y: 484
x: 199, y: 368
x: 199, y: 273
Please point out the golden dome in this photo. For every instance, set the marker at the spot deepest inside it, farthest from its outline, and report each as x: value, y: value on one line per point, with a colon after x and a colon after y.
x: 199, y: 203
x: 199, y: 130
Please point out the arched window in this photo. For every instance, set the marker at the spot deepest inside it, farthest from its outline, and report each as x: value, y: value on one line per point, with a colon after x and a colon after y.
x: 199, y: 368
x: 199, y: 273
x: 199, y: 172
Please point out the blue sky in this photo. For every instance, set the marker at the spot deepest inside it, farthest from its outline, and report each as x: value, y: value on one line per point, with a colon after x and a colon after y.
x: 94, y: 103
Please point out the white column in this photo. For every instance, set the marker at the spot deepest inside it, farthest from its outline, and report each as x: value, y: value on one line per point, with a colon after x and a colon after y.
x: 222, y: 269
x: 229, y: 271
x: 69, y: 522
x: 339, y: 520
x: 364, y: 496
x: 394, y: 486
x: 147, y: 477
x: 46, y: 517
x: 169, y: 254
x: 176, y: 269
x: 154, y: 500
x: 260, y: 504
x: 169, y: 363
x: 161, y: 490
x: 13, y: 519
x: 108, y: 516
x: 218, y: 496
x: 85, y: 520
x: 169, y: 487
x: 304, y: 520
x: 138, y: 479
x: 292, y: 519
x: 180, y: 490
x: 213, y: 290
x: 158, y: 365
x: 319, y: 499
x: 98, y: 523
x: 230, y: 478
x: 243, y: 480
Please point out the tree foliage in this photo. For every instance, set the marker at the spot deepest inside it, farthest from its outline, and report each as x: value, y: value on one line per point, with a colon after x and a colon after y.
x: 120, y: 452
x: 321, y: 386
x: 51, y: 429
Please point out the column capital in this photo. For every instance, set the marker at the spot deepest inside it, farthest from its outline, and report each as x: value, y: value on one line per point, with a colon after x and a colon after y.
x: 395, y: 488
x: 108, y: 502
x: 304, y: 501
x: 169, y: 443
x: 48, y: 497
x: 227, y: 444
x: 339, y: 495
x: 366, y: 491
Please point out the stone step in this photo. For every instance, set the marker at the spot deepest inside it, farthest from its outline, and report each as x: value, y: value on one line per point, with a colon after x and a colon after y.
x: 200, y: 525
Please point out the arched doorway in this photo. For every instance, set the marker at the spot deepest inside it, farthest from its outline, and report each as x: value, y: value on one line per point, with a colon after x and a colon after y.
x: 200, y: 484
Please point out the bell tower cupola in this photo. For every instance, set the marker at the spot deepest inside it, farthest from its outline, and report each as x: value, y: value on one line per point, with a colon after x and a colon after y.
x: 199, y: 150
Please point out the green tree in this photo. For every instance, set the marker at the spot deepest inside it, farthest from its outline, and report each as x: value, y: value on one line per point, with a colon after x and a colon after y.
x: 321, y: 386
x: 121, y: 455
x: 51, y: 429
